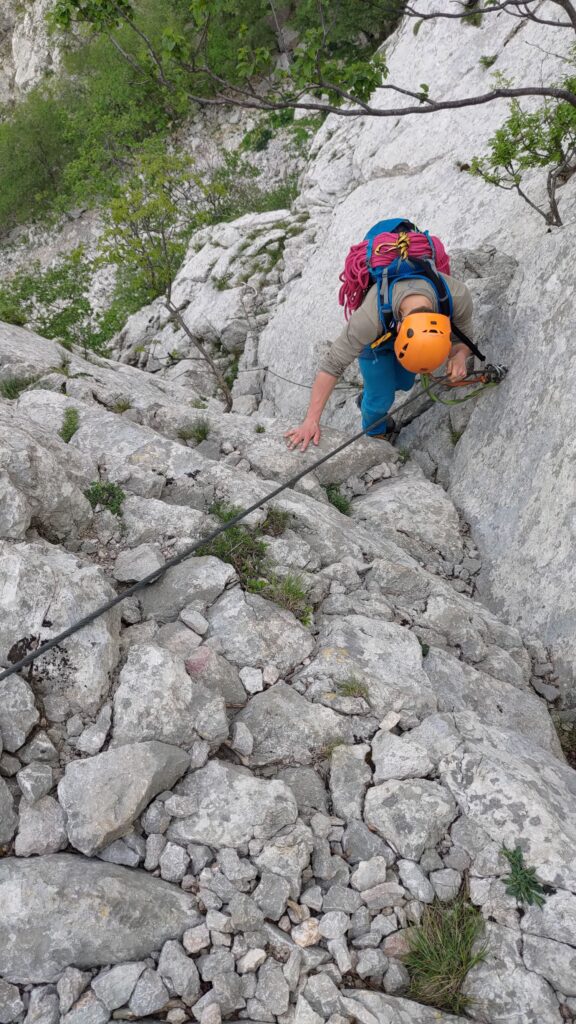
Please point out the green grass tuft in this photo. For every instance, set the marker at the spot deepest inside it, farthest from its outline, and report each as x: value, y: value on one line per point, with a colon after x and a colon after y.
x: 352, y: 688
x: 443, y: 948
x: 522, y: 883
x: 290, y: 593
x: 276, y: 522
x: 70, y: 425
x: 197, y: 431
x: 14, y: 387
x: 487, y: 62
x: 259, y: 429
x: 122, y: 405
x: 109, y: 496
x: 404, y: 456
x: 336, y: 498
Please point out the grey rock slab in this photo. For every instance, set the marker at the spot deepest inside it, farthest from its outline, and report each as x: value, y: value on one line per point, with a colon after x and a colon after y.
x: 130, y: 913
x: 517, y: 793
x: 398, y: 757
x: 459, y: 687
x: 150, y: 994
x: 378, y: 1008
x: 556, y: 919
x: 359, y: 843
x: 43, y: 1007
x: 288, y: 854
x: 410, y: 815
x: 173, y: 862
x: 136, y: 563
x: 382, y: 656
x: 103, y: 795
x: 447, y: 883
x: 500, y: 986
x: 18, y: 713
x: 307, y: 787
x: 179, y: 972
x: 271, y: 895
x: 420, y: 509
x: 41, y: 829
x: 288, y: 728
x: 414, y: 879
x: 253, y: 631
x: 88, y: 1010
x: 350, y: 776
x: 214, y: 673
x: 148, y: 520
x: 196, y: 582
x: 11, y: 1005
x: 157, y: 700
x: 70, y: 987
x: 225, y: 805
x: 94, y: 737
x: 555, y: 961
x: 369, y: 873
x: 8, y: 816
x: 115, y: 986
x: 304, y: 1014
x: 45, y: 583
x: 272, y: 988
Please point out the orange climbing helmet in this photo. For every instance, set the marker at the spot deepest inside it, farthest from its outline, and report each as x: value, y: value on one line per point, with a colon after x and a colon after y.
x: 423, y: 341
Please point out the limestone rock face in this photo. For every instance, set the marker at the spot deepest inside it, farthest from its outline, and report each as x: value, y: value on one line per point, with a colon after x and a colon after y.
x: 86, y: 903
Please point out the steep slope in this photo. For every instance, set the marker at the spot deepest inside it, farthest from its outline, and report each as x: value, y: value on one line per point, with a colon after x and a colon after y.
x: 289, y: 793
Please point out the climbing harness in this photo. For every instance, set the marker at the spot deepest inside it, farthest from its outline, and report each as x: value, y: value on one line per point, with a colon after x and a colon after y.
x: 153, y: 577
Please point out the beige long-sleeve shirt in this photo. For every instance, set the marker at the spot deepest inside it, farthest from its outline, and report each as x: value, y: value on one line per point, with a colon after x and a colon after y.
x: 364, y: 326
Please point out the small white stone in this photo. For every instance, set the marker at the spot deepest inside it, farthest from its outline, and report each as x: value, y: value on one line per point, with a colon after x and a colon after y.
x: 196, y: 939
x: 251, y: 961
x: 194, y: 620
x: 252, y: 679
x: 307, y: 933
x: 270, y: 674
x: 390, y: 721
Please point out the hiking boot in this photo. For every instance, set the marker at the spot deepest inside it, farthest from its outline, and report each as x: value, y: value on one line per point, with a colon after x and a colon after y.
x: 390, y: 434
x: 358, y: 399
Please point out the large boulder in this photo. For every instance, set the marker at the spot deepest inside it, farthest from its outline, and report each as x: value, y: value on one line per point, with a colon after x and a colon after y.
x: 225, y: 805
x: 43, y: 591
x: 61, y: 909
x: 157, y: 700
x: 253, y: 631
x: 103, y: 795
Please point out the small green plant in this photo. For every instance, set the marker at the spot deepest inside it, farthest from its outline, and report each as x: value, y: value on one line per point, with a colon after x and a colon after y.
x: 276, y: 522
x: 122, y: 405
x: 567, y: 736
x: 329, y: 747
x: 339, y: 500
x: 352, y: 688
x: 221, y: 283
x: 107, y: 495
x: 522, y: 883
x: 487, y: 62
x: 70, y: 425
x: 290, y: 593
x: 232, y: 371
x: 197, y: 431
x: 424, y: 646
x: 239, y: 547
x: 198, y: 403
x: 443, y: 948
x: 455, y: 435
x: 13, y: 387
x: 404, y: 456
x: 259, y: 429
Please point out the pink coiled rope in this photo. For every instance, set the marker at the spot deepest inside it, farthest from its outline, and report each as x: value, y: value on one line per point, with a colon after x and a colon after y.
x: 386, y: 248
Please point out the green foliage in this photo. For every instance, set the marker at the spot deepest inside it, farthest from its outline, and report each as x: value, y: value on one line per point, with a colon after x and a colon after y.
x: 329, y: 747
x: 424, y: 647
x: 543, y: 138
x: 221, y: 283
x: 53, y: 302
x: 122, y: 405
x: 106, y: 495
x: 276, y: 522
x: 232, y: 371
x: 238, y: 546
x: 353, y: 688
x: 12, y: 387
x: 522, y: 883
x: 404, y: 456
x: 487, y: 62
x: 197, y: 431
x: 259, y: 429
x: 339, y: 500
x: 70, y: 424
x: 290, y: 593
x: 455, y: 435
x: 443, y: 948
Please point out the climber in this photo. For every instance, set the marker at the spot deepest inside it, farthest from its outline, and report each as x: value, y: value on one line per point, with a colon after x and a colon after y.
x: 406, y: 315
x: 383, y: 373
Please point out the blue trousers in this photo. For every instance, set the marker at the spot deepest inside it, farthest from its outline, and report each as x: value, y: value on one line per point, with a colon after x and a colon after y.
x: 383, y: 376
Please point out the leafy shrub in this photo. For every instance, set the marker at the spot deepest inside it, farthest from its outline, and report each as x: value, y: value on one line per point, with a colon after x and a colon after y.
x: 106, y: 495
x: 522, y: 883
x: 54, y: 301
